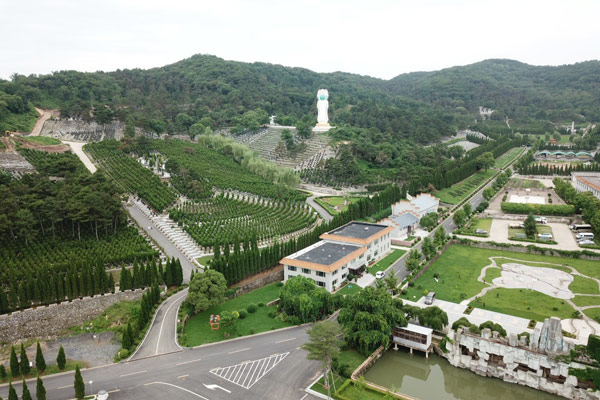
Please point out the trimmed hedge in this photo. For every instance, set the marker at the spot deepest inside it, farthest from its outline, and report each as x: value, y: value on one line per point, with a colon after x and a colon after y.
x: 541, y: 209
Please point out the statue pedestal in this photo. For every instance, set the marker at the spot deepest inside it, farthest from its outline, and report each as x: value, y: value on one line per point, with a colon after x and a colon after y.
x: 322, y: 128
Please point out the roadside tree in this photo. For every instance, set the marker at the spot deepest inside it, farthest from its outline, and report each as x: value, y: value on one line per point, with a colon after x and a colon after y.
x: 206, y: 290
x: 324, y: 345
x: 459, y: 218
x: 78, y: 384
x: 530, y: 226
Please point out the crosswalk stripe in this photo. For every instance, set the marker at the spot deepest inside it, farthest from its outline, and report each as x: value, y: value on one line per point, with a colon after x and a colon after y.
x: 246, y: 374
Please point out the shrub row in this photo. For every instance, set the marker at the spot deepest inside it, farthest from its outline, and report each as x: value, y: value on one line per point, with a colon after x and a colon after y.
x: 541, y: 209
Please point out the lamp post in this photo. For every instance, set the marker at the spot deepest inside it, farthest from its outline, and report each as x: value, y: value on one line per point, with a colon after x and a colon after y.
x: 91, y: 388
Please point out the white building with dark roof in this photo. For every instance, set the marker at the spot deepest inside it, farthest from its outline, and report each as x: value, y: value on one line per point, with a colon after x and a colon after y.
x: 347, y: 249
x: 586, y: 182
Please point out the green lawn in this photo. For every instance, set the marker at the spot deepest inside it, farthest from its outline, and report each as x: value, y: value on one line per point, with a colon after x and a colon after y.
x: 335, y: 204
x: 350, y: 288
x: 319, y: 386
x: 507, y: 158
x: 478, y: 223
x: 459, y: 267
x: 204, y: 260
x: 43, y: 140
x: 584, y: 285
x: 583, y: 301
x: 351, y: 357
x: 593, y: 313
x: 525, y: 183
x: 524, y: 303
x: 198, y: 331
x: 492, y: 273
x: 384, y: 264
x: 457, y: 192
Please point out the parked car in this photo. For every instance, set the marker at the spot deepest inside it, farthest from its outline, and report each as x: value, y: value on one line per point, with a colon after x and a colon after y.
x: 481, y: 232
x: 585, y: 242
x: 544, y: 236
x: 430, y: 298
x: 102, y: 395
x: 541, y: 220
x: 380, y: 275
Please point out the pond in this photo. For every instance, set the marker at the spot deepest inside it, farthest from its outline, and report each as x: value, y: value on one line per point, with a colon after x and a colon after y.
x: 435, y: 378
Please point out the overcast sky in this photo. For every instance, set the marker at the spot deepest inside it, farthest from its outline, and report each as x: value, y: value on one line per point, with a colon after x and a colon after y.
x: 371, y: 37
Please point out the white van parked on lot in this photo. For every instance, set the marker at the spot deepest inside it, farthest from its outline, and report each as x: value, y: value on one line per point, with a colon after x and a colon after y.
x: 545, y: 236
x: 585, y: 235
x: 541, y: 220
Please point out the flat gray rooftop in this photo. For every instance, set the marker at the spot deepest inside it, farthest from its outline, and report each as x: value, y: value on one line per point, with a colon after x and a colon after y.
x: 358, y: 230
x: 327, y: 253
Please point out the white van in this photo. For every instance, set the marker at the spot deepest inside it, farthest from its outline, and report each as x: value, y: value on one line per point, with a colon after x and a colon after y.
x: 585, y: 235
x: 541, y: 220
x: 545, y: 236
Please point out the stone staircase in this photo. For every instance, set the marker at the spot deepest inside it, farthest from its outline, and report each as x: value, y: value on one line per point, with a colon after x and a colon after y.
x: 181, y: 239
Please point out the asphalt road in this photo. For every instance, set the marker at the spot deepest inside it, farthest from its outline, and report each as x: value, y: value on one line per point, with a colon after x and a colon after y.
x: 162, y: 335
x: 268, y: 366
x: 162, y: 240
x: 322, y: 212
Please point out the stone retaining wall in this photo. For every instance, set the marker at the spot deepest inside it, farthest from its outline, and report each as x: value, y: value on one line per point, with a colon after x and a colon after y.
x: 48, y: 322
x: 276, y: 275
x: 362, y: 368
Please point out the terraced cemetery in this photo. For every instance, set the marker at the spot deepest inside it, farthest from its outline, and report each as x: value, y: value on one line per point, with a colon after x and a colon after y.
x: 223, y: 219
x: 130, y: 175
x: 457, y: 192
x: 266, y: 141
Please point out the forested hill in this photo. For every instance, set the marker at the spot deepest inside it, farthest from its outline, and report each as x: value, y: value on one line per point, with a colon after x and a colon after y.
x: 205, y: 91
x: 517, y: 90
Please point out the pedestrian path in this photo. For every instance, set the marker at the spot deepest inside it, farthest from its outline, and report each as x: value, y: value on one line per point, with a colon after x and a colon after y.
x: 248, y: 373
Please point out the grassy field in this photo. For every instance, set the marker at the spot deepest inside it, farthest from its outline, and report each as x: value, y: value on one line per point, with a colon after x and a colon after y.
x: 319, y: 386
x: 524, y: 303
x: 492, y: 273
x: 457, y: 192
x: 384, y: 264
x: 111, y: 319
x: 198, y: 331
x: 350, y: 288
x: 43, y: 140
x: 593, y: 313
x: 583, y: 301
x: 458, y: 268
x: 584, y: 285
x: 335, y: 204
x: 204, y: 260
x: 525, y: 184
x: 507, y: 158
x: 478, y: 223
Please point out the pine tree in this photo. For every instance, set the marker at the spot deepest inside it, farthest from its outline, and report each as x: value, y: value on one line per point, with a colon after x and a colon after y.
x: 40, y: 363
x: 2, y: 371
x: 78, y: 384
x: 26, y: 394
x: 14, y: 363
x: 61, y: 359
x: 127, y: 337
x: 111, y: 284
x: 3, y: 302
x: 12, y: 393
x: 40, y: 390
x: 25, y: 368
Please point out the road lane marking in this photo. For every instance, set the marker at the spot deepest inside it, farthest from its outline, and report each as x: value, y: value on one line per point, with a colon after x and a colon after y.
x: 286, y: 340
x: 215, y: 387
x: 303, y: 397
x: 178, y: 387
x: 163, y: 322
x: 237, y: 351
x: 182, y: 376
x: 188, y: 362
x: 247, y: 373
x: 132, y: 373
x: 64, y: 387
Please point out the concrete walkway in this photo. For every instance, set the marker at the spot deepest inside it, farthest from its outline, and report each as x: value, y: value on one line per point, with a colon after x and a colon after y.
x: 77, y: 148
x: 322, y: 212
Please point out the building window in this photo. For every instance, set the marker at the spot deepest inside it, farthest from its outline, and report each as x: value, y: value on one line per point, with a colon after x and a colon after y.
x: 321, y: 274
x: 344, y: 276
x: 291, y: 268
x: 335, y: 272
x: 306, y: 271
x: 334, y: 282
x: 320, y: 284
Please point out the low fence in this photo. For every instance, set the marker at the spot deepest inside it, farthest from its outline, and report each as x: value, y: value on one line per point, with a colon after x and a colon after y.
x: 365, y: 365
